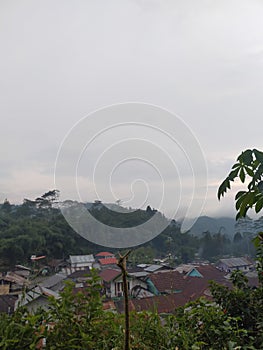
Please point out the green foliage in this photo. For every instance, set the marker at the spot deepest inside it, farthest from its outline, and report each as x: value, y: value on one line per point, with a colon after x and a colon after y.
x: 41, y: 230
x: 77, y: 321
x: 75, y: 317
x: 245, y: 304
x: 248, y: 167
x: 20, y: 330
x: 242, y: 302
x: 204, y: 325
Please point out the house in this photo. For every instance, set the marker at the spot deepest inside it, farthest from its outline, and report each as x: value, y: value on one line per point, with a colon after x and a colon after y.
x: 193, y: 289
x: 231, y: 264
x: 81, y: 262
x: 166, y: 282
x: 56, y: 264
x: 80, y: 278
x: 188, y: 270
x: 23, y: 271
x: 54, y: 282
x: 196, y: 287
x: 12, y: 283
x: 106, y: 259
x: 191, y: 285
x: 172, y: 289
x: 104, y: 255
x: 113, y: 284
x: 40, y: 290
x: 35, y: 298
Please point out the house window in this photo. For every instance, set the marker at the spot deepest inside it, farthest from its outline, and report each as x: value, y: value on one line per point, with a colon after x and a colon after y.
x: 118, y: 288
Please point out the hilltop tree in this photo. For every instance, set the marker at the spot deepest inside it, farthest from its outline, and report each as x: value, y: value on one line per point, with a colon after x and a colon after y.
x: 6, y: 206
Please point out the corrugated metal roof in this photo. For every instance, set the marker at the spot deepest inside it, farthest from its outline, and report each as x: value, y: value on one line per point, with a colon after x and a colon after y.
x: 235, y: 262
x: 12, y: 277
x: 78, y: 259
x: 139, y: 274
x: 153, y: 268
x: 51, y: 281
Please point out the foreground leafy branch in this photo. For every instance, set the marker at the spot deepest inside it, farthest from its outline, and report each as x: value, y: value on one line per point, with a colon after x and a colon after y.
x: 248, y: 168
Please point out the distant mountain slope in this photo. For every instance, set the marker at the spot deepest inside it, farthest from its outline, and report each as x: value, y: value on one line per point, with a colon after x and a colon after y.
x: 225, y: 225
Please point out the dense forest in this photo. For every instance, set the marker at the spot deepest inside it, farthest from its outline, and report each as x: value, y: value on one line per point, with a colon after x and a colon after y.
x: 37, y: 227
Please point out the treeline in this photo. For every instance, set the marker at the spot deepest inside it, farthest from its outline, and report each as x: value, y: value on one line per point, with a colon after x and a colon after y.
x: 37, y: 227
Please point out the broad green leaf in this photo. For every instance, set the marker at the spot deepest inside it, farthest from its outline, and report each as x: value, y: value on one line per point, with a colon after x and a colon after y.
x: 223, y: 188
x: 236, y: 165
x: 242, y: 175
x: 246, y: 203
x: 240, y: 193
x: 258, y: 154
x: 259, y: 173
x: 247, y: 157
x: 249, y: 171
x: 259, y: 204
x: 241, y: 200
x: 233, y: 174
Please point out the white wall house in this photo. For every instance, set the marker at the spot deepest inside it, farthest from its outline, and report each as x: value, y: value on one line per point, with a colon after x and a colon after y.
x: 231, y: 264
x: 81, y: 262
x: 116, y: 285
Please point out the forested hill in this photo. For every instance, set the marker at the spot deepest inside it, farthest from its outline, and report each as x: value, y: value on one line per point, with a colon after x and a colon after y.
x: 38, y: 228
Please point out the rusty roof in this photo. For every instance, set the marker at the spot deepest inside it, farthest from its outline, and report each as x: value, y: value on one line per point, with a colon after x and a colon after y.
x: 167, y: 281
x: 108, y: 261
x: 104, y: 254
x: 109, y: 274
x: 160, y: 303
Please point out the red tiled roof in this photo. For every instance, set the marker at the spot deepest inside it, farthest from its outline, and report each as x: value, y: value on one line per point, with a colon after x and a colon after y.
x: 211, y: 273
x: 104, y: 254
x: 160, y: 303
x: 108, y: 261
x: 168, y: 281
x: 191, y: 287
x: 195, y: 287
x: 109, y: 274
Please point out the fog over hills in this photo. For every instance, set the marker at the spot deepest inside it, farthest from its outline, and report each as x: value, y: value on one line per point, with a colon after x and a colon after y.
x: 225, y: 225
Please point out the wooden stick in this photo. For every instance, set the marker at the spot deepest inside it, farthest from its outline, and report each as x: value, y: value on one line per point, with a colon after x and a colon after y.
x: 122, y: 263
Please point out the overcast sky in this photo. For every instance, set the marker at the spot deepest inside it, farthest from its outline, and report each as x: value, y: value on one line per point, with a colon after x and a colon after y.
x: 61, y: 60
